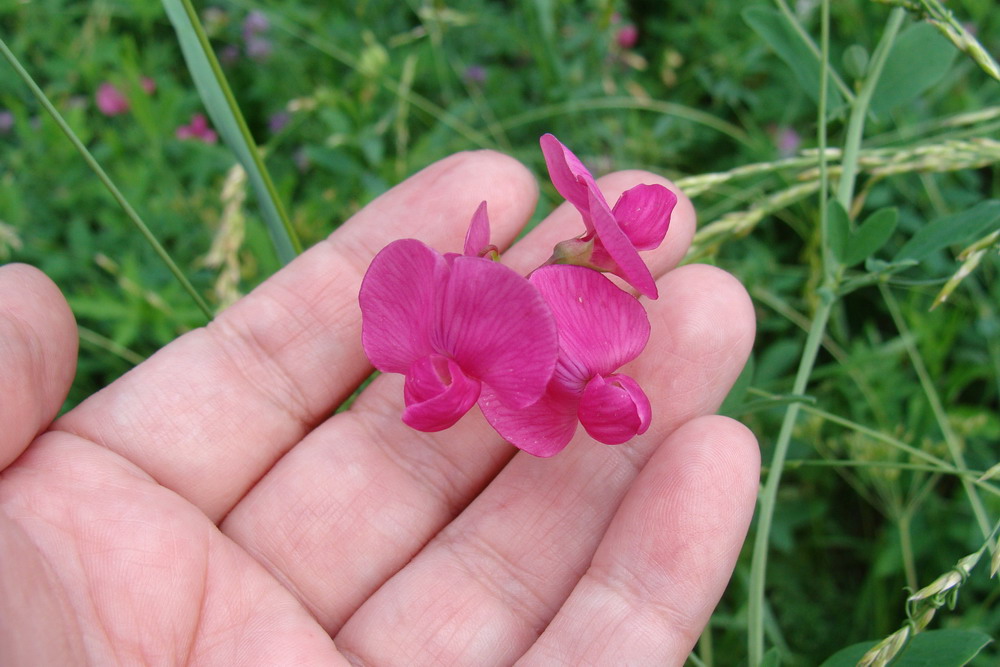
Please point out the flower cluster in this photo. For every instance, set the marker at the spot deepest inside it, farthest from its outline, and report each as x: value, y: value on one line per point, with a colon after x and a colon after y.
x: 539, y: 355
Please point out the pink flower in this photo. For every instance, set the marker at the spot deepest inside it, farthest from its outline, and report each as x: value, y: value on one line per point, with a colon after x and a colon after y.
x: 613, y: 237
x: 455, y: 326
x: 600, y: 329
x: 627, y: 36
x: 197, y: 129
x: 110, y: 100
x: 148, y: 85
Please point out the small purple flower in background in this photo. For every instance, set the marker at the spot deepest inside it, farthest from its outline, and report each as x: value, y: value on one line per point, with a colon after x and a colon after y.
x: 787, y: 140
x: 475, y: 74
x: 600, y: 329
x: 148, y: 85
x: 6, y: 121
x: 613, y: 237
x: 455, y: 326
x: 197, y: 129
x: 278, y: 121
x: 258, y: 48
x: 627, y: 36
x: 255, y: 23
x: 255, y: 26
x: 110, y: 100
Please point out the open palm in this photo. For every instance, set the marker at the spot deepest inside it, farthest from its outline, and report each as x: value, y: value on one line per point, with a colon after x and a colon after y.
x: 206, y: 508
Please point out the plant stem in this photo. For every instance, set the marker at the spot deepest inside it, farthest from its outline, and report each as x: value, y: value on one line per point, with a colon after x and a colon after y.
x: 856, y: 123
x: 105, y: 179
x: 758, y: 567
x: 828, y: 296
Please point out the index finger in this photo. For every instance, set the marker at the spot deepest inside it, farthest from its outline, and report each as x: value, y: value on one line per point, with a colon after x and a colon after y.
x: 211, y: 412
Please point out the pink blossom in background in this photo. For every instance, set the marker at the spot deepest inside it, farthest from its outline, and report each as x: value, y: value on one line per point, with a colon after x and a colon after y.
x: 475, y: 74
x: 455, y: 326
x: 787, y: 140
x: 198, y: 130
x: 255, y: 22
x: 6, y: 121
x: 148, y: 85
x: 258, y: 49
x: 627, y: 36
x: 110, y: 100
x: 600, y: 329
x: 613, y: 237
x: 278, y: 121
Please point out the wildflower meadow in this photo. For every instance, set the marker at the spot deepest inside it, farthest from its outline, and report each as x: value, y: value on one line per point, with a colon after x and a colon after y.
x: 161, y: 160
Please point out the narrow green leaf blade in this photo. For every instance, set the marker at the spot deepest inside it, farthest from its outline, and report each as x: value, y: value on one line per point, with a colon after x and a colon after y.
x: 964, y: 227
x: 228, y: 121
x: 871, y: 235
x: 774, y: 29
x: 920, y: 57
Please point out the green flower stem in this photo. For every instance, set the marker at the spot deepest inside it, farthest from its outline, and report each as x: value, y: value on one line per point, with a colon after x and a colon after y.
x: 856, y: 123
x: 828, y: 295
x: 768, y: 498
x: 248, y: 139
x: 105, y: 179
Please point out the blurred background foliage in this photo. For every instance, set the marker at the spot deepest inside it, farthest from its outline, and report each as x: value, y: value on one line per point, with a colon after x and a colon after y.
x: 347, y: 99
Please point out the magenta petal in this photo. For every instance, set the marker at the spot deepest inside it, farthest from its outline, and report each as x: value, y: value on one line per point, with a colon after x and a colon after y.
x: 543, y: 428
x: 643, y: 214
x: 571, y: 178
x: 437, y: 394
x: 477, y: 239
x: 398, y: 297
x: 496, y: 325
x: 625, y: 258
x: 613, y: 409
x: 600, y: 326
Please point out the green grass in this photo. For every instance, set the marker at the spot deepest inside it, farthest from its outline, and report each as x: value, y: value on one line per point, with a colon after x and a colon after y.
x: 887, y: 428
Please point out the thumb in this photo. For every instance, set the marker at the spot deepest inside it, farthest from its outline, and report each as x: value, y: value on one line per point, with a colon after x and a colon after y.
x: 38, y: 344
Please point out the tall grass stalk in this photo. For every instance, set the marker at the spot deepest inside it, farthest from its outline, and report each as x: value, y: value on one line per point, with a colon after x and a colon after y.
x: 828, y: 295
x: 130, y: 212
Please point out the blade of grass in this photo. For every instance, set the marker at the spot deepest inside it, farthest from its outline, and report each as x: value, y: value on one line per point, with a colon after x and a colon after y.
x: 225, y: 113
x: 937, y: 407
x: 105, y: 179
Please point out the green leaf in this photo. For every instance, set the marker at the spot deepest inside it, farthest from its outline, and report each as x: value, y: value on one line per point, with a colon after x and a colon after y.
x: 774, y: 28
x: 871, y: 235
x: 849, y: 655
x: 838, y: 229
x: 964, y: 227
x: 934, y: 648
x: 920, y: 57
x: 942, y: 648
x: 227, y: 119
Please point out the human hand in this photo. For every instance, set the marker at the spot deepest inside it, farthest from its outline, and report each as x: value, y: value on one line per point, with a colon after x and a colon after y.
x: 205, y: 508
